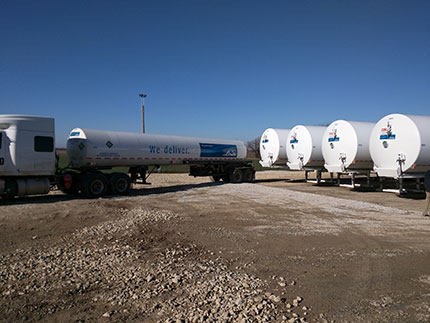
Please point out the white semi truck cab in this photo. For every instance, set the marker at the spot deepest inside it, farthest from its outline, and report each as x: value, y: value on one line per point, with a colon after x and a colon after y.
x: 27, y: 154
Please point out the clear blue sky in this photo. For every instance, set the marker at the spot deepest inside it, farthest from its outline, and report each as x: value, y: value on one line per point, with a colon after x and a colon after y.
x: 221, y: 69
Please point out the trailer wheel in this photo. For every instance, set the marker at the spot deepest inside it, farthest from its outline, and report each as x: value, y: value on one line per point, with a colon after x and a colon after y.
x: 94, y: 185
x: 215, y: 178
x: 236, y: 176
x: 248, y: 175
x: 119, y: 183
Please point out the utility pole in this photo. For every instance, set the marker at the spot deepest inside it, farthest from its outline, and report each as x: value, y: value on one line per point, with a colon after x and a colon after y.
x: 142, y: 97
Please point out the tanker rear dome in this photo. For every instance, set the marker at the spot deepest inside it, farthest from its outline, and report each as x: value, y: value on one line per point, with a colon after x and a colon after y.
x: 345, y: 146
x: 272, y: 147
x: 401, y: 144
x: 304, y: 147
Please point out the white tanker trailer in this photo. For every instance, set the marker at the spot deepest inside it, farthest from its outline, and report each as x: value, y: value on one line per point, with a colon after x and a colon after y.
x: 345, y: 147
x: 400, y: 146
x: 304, y: 148
x: 95, y: 148
x: 28, y: 161
x: 272, y: 147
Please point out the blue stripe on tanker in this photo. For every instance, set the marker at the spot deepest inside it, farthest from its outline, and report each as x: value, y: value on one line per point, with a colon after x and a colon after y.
x: 217, y: 150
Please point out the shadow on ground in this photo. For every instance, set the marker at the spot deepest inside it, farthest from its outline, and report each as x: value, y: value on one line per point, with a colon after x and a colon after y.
x: 43, y: 199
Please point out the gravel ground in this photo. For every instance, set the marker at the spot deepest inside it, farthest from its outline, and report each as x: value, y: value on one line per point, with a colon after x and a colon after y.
x: 184, y: 249
x: 118, y: 268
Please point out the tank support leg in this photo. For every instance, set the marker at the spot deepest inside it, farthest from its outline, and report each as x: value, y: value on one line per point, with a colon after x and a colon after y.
x: 318, y: 176
x: 353, y: 180
x: 331, y: 178
x: 368, y: 179
x: 133, y: 174
x: 142, y: 172
x: 306, y: 175
x: 381, y: 184
x: 418, y: 183
x: 139, y: 173
x: 338, y: 179
x: 401, y: 190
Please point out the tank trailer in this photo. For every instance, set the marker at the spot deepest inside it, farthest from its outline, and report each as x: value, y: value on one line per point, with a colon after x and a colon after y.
x: 29, y: 165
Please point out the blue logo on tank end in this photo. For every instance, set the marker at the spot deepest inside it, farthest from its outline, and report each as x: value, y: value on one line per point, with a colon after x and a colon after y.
x: 294, y: 141
x: 385, y: 137
x: 217, y: 150
x: 333, y: 139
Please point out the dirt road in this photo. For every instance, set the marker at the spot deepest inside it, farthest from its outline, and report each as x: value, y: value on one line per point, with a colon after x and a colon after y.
x: 188, y: 249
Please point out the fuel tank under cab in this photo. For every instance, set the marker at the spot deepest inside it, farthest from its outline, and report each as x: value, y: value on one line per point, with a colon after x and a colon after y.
x: 97, y: 148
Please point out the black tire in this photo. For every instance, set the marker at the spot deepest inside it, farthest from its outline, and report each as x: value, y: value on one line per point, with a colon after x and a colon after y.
x: 119, y: 183
x: 236, y: 176
x: 215, y: 178
x: 248, y: 175
x: 93, y: 185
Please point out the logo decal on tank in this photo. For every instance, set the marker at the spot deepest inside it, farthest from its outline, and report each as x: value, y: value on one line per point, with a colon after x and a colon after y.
x: 109, y: 144
x: 386, y: 133
x: 264, y: 139
x: 217, y: 150
x: 333, y: 136
x: 81, y: 146
x: 294, y: 139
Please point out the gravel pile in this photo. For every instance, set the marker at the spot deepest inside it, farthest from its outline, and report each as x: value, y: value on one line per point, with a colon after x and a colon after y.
x: 136, y: 267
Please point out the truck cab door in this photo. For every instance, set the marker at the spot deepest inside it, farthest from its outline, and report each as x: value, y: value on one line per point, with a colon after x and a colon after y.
x: 7, y: 149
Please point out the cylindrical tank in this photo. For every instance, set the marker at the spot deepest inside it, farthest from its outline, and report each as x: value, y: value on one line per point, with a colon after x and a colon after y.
x: 272, y: 147
x: 96, y: 148
x: 304, y: 148
x: 345, y: 146
x: 32, y: 186
x: 400, y: 144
